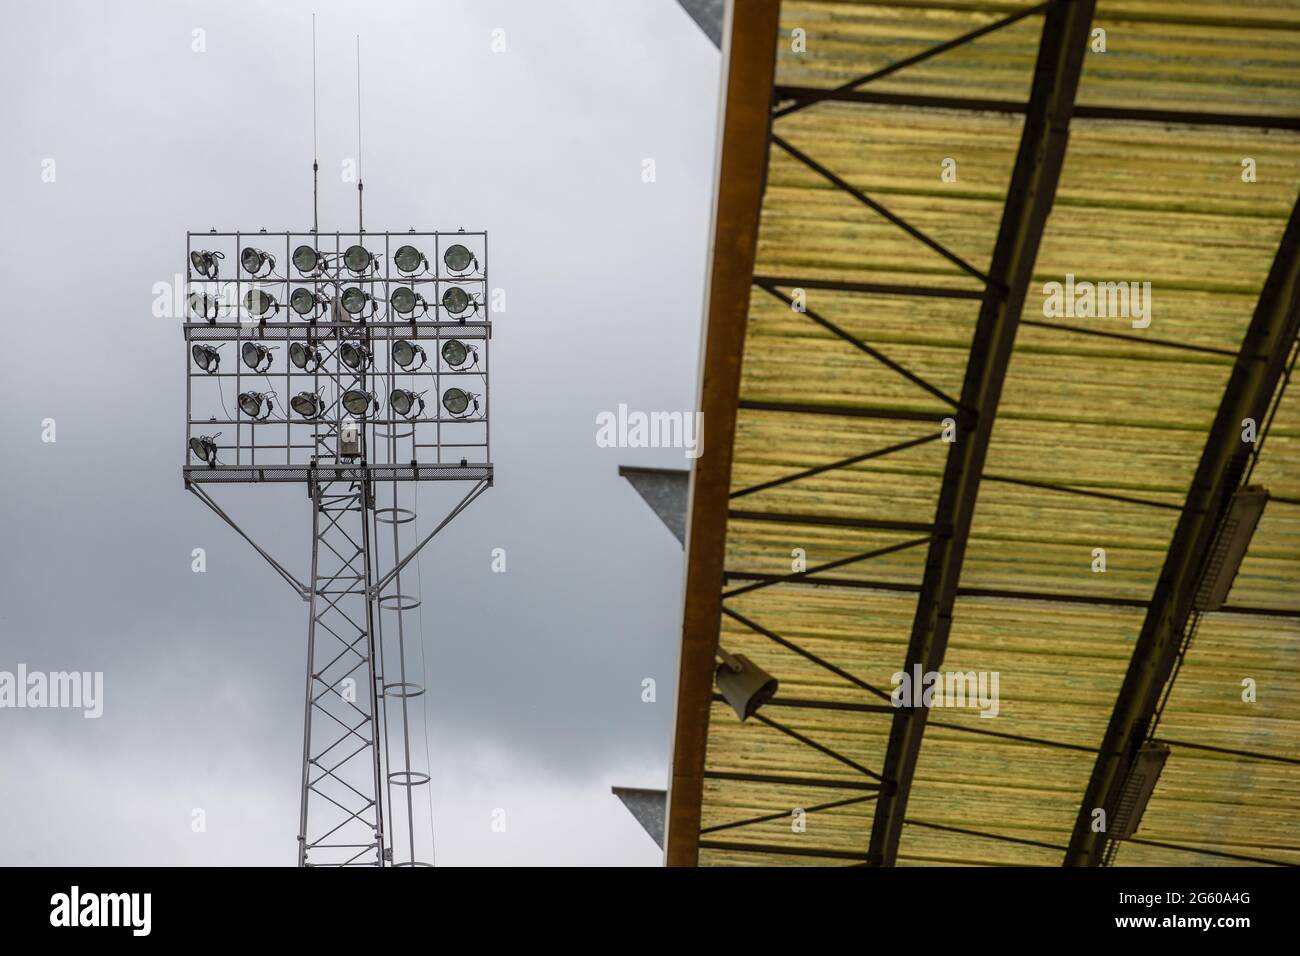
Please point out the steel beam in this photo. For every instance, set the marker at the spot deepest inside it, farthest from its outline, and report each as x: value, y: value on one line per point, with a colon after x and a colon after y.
x: 1248, y: 394
x: 303, y: 331
x: 848, y: 411
x: 869, y: 288
x: 971, y: 104
x: 785, y: 780
x: 832, y: 521
x: 326, y: 472
x: 999, y: 594
x: 1029, y: 201
x: 777, y: 850
x: 802, y: 704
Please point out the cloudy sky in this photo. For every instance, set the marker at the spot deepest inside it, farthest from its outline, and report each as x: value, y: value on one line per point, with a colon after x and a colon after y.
x: 119, y: 138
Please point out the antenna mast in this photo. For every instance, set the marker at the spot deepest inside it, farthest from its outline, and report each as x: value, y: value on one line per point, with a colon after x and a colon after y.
x: 315, y: 148
x: 360, y: 185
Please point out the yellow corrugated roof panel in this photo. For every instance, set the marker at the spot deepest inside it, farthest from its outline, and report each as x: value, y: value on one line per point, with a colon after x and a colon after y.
x: 1121, y: 417
x: 1217, y: 800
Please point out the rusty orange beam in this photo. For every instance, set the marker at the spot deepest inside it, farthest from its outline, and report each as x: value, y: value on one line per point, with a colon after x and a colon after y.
x: 748, y: 65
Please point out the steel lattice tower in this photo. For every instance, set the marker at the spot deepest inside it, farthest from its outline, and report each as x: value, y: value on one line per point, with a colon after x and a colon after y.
x: 356, y: 328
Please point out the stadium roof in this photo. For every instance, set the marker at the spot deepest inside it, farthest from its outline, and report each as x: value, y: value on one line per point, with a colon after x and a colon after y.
x: 858, y: 298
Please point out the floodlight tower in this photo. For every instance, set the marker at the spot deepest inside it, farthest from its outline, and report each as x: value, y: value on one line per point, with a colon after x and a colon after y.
x: 357, y: 364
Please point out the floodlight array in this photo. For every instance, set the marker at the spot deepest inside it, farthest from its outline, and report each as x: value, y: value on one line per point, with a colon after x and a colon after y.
x: 384, y: 332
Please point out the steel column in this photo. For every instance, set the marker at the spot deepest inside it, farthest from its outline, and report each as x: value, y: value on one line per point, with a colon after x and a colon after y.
x: 341, y: 812
x: 1029, y: 201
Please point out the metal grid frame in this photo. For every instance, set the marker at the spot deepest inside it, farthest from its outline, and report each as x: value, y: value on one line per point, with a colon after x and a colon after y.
x: 434, y: 437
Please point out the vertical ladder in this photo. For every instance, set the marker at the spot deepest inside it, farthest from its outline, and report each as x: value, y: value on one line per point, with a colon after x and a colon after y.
x: 407, y: 772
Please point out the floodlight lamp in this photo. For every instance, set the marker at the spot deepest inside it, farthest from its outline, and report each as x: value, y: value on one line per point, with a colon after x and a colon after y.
x: 307, y: 404
x: 204, y: 306
x: 406, y: 354
x: 304, y: 356
x: 306, y: 302
x: 456, y: 300
x: 204, y: 448
x: 405, y: 301
x: 406, y: 403
x: 205, y: 263
x: 255, y: 405
x: 355, y: 301
x: 360, y: 403
x: 456, y: 353
x: 410, y: 260
x: 206, y: 358
x: 256, y: 262
x: 358, y: 260
x: 307, y: 260
x: 256, y: 357
x: 258, y: 302
x: 355, y: 356
x: 1135, y: 792
x: 743, y: 684
x: 458, y: 402
x: 459, y: 259
x: 1229, y: 546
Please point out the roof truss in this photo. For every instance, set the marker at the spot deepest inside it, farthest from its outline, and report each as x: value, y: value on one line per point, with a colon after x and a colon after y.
x: 1001, y: 293
x: 1261, y: 365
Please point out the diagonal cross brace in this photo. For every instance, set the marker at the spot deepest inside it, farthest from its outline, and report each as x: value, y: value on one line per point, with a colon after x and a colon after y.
x: 302, y: 589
